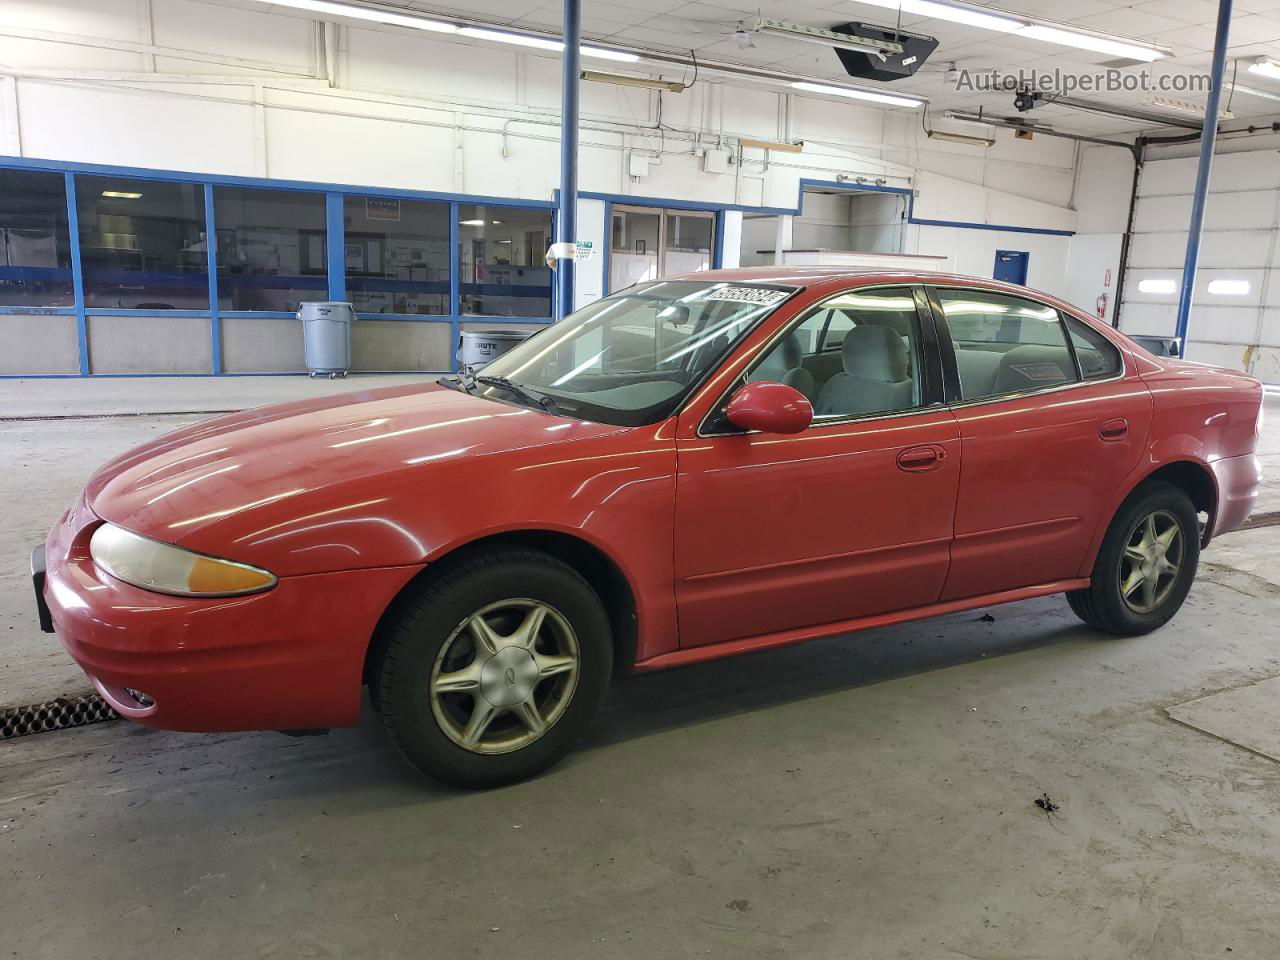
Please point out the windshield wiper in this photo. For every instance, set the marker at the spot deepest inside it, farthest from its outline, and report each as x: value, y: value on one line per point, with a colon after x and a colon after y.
x: 540, y: 400
x: 464, y: 382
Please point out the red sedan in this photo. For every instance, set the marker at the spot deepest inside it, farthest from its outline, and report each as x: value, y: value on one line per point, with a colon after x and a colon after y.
x: 689, y: 469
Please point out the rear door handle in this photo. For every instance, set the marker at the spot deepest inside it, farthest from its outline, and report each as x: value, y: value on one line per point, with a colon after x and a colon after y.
x: 1114, y: 430
x: 921, y: 459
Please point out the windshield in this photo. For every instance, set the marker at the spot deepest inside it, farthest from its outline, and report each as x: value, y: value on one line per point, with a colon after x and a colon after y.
x: 631, y: 358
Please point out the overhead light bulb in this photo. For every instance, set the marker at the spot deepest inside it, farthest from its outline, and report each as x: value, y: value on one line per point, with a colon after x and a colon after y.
x: 855, y: 94
x: 944, y: 11
x: 1089, y: 41
x: 372, y: 14
x: 1264, y: 67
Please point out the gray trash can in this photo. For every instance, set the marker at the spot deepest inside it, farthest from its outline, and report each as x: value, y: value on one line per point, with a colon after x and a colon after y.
x: 478, y: 347
x: 326, y: 336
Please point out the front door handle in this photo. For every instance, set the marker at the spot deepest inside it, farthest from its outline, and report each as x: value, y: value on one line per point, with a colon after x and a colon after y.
x: 1114, y: 430
x: 921, y: 459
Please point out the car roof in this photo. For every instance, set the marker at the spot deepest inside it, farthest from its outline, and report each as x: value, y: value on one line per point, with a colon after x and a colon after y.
x: 811, y: 276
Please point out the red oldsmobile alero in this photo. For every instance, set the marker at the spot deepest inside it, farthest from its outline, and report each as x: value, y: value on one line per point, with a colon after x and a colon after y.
x: 690, y: 468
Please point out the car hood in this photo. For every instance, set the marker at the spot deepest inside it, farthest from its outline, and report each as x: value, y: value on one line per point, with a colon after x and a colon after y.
x: 234, y: 485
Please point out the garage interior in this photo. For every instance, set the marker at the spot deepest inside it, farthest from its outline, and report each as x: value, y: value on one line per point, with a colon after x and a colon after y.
x: 178, y: 176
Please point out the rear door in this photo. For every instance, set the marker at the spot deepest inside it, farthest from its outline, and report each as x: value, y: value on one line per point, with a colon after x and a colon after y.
x: 1050, y: 422
x: 850, y: 518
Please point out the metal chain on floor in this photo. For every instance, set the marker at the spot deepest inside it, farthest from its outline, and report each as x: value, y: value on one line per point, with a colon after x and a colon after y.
x: 56, y: 714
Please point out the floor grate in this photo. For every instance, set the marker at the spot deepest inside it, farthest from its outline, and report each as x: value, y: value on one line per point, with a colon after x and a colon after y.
x: 117, y: 416
x: 56, y: 714
x: 1262, y: 520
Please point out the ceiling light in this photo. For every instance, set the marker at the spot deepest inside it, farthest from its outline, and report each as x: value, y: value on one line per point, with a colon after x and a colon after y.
x: 1254, y: 91
x: 1266, y: 68
x: 622, y: 80
x: 1090, y: 41
x: 121, y: 195
x: 519, y: 39
x: 987, y: 18
x: 545, y: 43
x: 855, y: 94
x: 374, y: 14
x: 828, y: 38
x: 471, y: 223
x: 953, y: 14
x: 1157, y: 285
x: 1229, y: 288
x: 960, y: 138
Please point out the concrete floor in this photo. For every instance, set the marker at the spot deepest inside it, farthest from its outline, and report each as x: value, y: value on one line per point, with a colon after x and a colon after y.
x: 868, y: 797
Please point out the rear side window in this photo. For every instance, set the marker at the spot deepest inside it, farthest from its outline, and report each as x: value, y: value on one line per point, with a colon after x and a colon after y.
x: 1005, y: 345
x: 1098, y: 356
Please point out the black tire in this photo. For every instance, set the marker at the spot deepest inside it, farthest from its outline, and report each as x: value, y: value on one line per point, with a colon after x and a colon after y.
x: 1102, y: 604
x: 414, y: 645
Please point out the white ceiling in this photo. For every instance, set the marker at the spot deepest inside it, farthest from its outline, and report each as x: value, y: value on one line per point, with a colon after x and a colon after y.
x: 678, y: 26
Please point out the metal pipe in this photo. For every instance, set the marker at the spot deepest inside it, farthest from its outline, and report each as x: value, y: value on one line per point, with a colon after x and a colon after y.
x: 1208, y: 139
x: 567, y: 213
x: 1139, y: 158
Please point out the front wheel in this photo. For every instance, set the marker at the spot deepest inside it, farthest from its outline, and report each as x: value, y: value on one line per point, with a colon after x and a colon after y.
x: 492, y: 672
x: 1146, y: 564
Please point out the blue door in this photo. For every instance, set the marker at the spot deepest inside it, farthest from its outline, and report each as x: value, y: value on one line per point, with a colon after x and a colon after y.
x: 1011, y: 266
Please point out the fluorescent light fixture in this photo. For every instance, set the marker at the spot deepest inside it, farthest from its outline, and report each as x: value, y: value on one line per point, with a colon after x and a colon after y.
x: 600, y: 53
x: 1265, y: 67
x: 1254, y: 91
x: 1158, y: 285
x: 960, y: 138
x: 953, y: 14
x: 471, y: 223
x: 545, y: 43
x: 1229, y: 288
x: 373, y: 14
x: 121, y: 195
x: 855, y: 94
x: 828, y: 38
x: 622, y: 80
x: 988, y: 18
x: 1185, y: 106
x: 519, y: 39
x: 1090, y: 41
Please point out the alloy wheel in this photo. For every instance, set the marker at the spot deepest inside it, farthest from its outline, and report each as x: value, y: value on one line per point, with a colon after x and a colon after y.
x: 1151, y: 562
x: 505, y: 676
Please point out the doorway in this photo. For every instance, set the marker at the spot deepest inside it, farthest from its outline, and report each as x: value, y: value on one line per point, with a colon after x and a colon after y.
x: 649, y: 243
x: 1011, y: 266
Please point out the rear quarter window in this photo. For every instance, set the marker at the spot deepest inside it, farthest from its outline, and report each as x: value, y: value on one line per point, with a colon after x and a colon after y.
x: 1098, y: 356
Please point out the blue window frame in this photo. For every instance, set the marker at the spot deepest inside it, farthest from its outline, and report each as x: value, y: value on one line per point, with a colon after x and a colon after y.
x: 35, y: 241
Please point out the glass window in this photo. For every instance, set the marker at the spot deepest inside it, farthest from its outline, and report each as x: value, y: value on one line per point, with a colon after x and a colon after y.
x: 142, y: 243
x: 502, y: 259
x: 397, y: 255
x: 272, y: 248
x: 689, y: 238
x: 1005, y: 344
x: 632, y: 357
x: 1098, y: 356
x: 35, y: 247
x: 854, y: 355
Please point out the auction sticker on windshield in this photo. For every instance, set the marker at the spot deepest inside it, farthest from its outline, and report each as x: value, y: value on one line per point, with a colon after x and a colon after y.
x: 760, y: 295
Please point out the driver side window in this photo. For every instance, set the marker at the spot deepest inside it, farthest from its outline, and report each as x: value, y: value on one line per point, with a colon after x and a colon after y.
x: 857, y: 354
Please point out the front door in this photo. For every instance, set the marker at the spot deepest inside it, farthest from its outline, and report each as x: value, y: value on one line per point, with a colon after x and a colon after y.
x: 850, y: 518
x: 1050, y: 428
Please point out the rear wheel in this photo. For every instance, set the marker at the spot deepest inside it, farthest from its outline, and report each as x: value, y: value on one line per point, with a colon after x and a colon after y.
x: 493, y: 671
x: 1146, y: 564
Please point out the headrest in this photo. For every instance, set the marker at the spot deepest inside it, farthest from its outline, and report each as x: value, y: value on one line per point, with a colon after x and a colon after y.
x: 792, y: 350
x: 874, y: 353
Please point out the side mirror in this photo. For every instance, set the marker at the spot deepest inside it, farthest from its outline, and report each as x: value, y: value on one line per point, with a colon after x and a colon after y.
x: 770, y: 408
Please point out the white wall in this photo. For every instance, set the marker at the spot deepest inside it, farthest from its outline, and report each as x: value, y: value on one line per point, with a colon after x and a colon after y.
x: 245, y: 90
x: 1240, y: 240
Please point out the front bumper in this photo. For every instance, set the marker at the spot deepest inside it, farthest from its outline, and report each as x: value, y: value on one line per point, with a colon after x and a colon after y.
x: 290, y: 658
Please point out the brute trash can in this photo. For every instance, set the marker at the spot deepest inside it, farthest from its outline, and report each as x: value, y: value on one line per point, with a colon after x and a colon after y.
x: 478, y: 347
x: 326, y: 337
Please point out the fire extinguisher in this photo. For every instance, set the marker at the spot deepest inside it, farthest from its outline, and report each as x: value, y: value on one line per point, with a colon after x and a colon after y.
x: 1102, y: 306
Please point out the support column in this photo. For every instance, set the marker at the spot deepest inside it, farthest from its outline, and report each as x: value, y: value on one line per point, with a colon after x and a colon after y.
x: 567, y: 214
x: 782, y: 237
x: 1208, y: 139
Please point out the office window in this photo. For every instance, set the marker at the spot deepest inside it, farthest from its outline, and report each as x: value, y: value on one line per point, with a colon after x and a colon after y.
x: 142, y: 243
x: 272, y: 248
x: 397, y: 255
x: 502, y: 261
x: 35, y: 247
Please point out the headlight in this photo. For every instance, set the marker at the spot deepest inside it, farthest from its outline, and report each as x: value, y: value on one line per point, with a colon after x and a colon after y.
x: 167, y: 569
